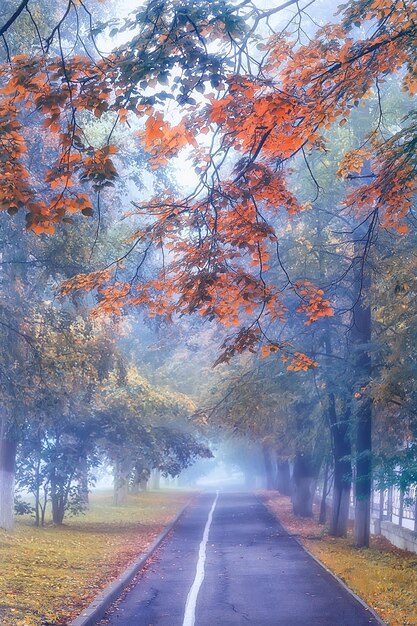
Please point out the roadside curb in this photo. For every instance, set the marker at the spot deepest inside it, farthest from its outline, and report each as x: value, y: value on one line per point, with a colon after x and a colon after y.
x: 98, y: 607
x: 332, y: 574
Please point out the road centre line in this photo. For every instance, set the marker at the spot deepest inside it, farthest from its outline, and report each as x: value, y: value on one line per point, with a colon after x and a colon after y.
x: 190, y: 605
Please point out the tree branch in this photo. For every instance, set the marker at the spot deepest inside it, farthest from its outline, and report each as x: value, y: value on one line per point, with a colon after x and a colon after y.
x: 14, y: 17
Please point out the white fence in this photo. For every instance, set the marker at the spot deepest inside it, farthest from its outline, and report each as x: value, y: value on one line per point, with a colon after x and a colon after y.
x: 396, y: 506
x: 393, y: 514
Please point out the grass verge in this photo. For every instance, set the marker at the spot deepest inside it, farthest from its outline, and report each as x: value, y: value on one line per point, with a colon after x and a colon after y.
x: 48, y: 575
x: 383, y: 576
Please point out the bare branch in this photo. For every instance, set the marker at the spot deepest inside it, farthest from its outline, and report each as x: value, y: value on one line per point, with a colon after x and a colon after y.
x: 22, y: 6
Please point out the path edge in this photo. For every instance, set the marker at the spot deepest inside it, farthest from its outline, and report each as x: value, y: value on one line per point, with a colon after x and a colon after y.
x: 96, y: 610
x: 326, y: 569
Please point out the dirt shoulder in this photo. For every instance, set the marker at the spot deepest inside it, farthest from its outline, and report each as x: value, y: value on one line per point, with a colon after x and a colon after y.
x: 383, y: 576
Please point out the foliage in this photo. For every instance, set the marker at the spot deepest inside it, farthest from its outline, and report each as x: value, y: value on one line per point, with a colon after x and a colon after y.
x: 21, y: 507
x: 142, y: 427
x: 268, y: 114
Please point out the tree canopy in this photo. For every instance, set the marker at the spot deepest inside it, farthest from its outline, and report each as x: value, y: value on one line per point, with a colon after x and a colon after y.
x: 248, y: 100
x: 294, y: 133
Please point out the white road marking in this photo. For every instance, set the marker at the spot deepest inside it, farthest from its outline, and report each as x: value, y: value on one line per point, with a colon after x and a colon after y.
x: 190, y: 605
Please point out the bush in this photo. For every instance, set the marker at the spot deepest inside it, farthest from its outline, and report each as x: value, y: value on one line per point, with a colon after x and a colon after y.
x: 23, y: 508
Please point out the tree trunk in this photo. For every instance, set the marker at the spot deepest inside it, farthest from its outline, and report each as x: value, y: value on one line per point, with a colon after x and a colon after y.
x: 83, y: 481
x: 135, y: 487
x: 13, y: 276
x: 363, y: 477
x: 37, y: 494
x: 44, y: 504
x: 269, y: 466
x: 340, y: 433
x: 58, y: 509
x: 323, y: 503
x: 342, y: 482
x: 304, y: 480
x: 340, y: 511
x: 283, y: 477
x: 342, y: 457
x: 362, y: 523
x: 361, y: 337
x: 140, y: 478
x: 154, y: 479
x: 8, y: 449
x: 57, y: 500
x: 121, y: 482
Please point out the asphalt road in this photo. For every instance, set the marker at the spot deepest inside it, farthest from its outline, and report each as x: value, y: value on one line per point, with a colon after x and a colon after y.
x: 249, y: 571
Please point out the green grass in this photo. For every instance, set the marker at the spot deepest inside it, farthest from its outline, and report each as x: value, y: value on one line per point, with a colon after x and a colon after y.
x: 49, y: 574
